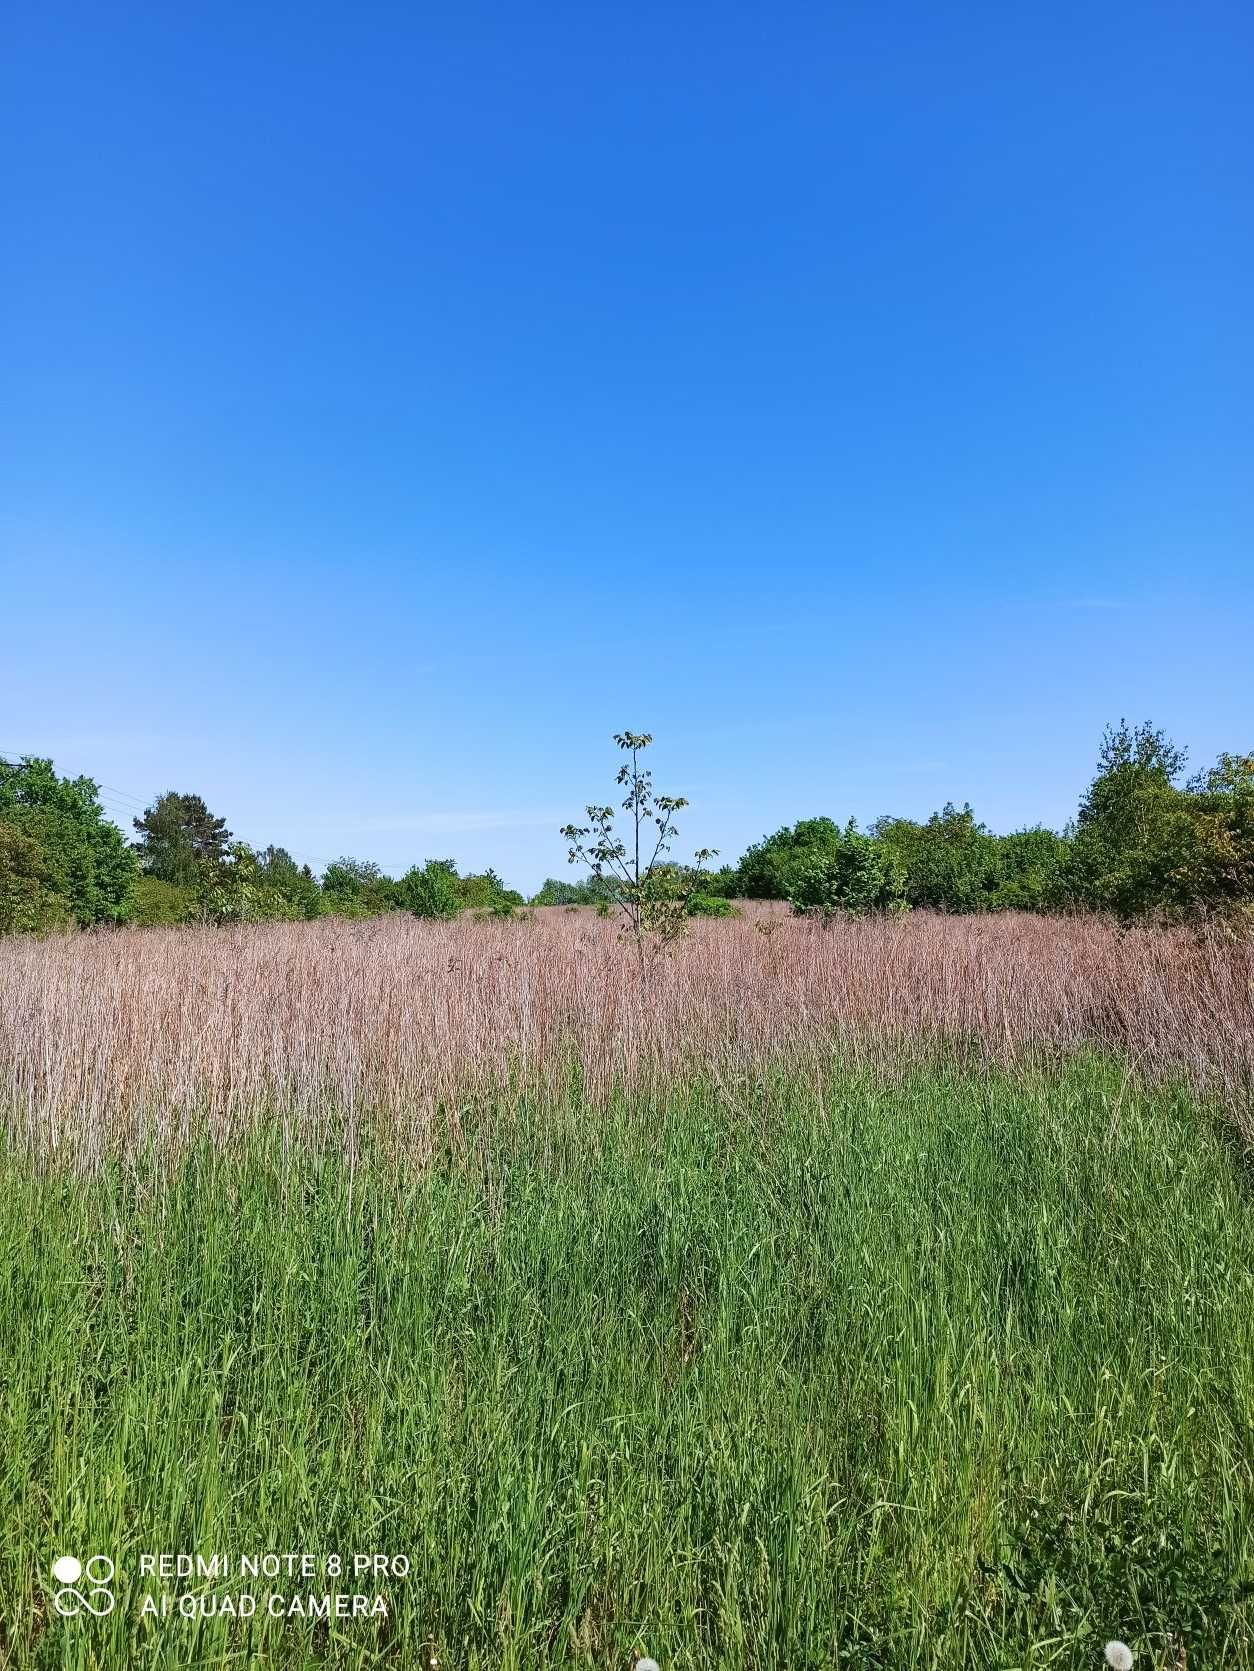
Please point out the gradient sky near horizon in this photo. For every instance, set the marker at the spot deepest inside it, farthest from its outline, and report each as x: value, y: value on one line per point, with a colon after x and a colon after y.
x: 399, y: 399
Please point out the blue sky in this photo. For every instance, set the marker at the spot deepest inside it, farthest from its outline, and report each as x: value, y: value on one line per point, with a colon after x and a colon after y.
x: 401, y: 399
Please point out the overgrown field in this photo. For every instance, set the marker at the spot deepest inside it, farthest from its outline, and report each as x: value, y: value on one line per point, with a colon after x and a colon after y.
x: 874, y: 1297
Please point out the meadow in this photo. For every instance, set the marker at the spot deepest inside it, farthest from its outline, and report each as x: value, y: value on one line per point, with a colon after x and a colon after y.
x: 871, y: 1295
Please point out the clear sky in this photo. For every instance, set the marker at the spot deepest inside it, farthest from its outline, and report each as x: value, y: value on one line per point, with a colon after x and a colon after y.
x: 400, y: 399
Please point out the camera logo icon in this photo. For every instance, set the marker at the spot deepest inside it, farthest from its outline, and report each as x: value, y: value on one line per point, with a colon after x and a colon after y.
x: 96, y: 1596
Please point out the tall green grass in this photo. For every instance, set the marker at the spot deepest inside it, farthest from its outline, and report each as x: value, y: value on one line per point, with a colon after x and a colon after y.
x: 953, y: 1370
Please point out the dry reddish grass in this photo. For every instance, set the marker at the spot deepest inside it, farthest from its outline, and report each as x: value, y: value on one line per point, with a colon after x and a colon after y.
x: 117, y: 1039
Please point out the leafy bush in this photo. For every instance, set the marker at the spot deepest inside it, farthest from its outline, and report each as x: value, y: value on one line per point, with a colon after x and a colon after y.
x: 852, y: 877
x: 29, y: 903
x: 158, y: 902
x: 249, y: 887
x: 1032, y: 867
x: 294, y: 885
x: 505, y: 911
x: 711, y: 905
x: 773, y: 867
x: 84, y: 859
x: 723, y: 883
x: 431, y: 891
x: 358, y: 888
x: 1145, y: 847
x: 950, y: 863
x: 588, y: 892
x: 486, y: 892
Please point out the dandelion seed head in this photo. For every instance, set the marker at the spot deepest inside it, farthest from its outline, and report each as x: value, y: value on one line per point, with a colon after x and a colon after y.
x: 1119, y: 1656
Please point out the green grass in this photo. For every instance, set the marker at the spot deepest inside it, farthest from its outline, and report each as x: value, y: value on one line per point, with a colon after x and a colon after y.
x: 954, y: 1371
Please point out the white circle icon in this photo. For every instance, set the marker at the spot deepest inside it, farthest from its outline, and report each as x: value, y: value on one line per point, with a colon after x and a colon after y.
x: 99, y: 1599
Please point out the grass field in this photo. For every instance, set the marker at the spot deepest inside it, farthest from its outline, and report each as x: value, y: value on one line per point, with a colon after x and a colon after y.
x: 877, y: 1298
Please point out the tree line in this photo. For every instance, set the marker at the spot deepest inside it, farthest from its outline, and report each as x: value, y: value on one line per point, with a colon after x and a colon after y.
x: 64, y: 864
x: 1143, y: 844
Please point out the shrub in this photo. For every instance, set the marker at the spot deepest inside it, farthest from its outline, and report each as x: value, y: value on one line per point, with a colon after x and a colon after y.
x: 504, y: 911
x: 431, y: 891
x: 295, y: 885
x: 29, y: 903
x: 587, y: 892
x: 358, y: 888
x: 773, y: 867
x: 85, y: 860
x: 1032, y: 866
x: 485, y: 891
x: 1146, y: 848
x: 949, y: 864
x: 159, y: 902
x: 253, y: 888
x: 855, y: 876
x: 711, y: 905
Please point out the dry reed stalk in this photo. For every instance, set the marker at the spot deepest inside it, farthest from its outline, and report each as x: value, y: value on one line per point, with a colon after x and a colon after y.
x: 112, y: 1041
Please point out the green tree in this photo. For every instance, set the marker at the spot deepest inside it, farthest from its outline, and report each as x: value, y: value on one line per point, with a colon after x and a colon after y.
x: 485, y: 891
x: 1232, y: 774
x: 771, y: 868
x: 1032, y: 866
x: 850, y: 877
x: 29, y: 903
x: 1145, y: 847
x: 950, y: 863
x: 295, y: 885
x: 1220, y: 880
x: 591, y: 891
x: 357, y: 888
x: 85, y: 858
x: 431, y: 890
x: 251, y: 887
x: 1136, y: 839
x: 181, y: 841
x: 160, y: 903
x: 1141, y: 748
x: 651, y: 893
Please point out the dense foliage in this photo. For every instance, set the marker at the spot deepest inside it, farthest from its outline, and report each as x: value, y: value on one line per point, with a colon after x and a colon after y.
x: 591, y: 891
x: 180, y: 840
x: 29, y: 901
x: 1144, y: 845
x: 61, y: 861
x: 430, y: 890
x: 850, y: 873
